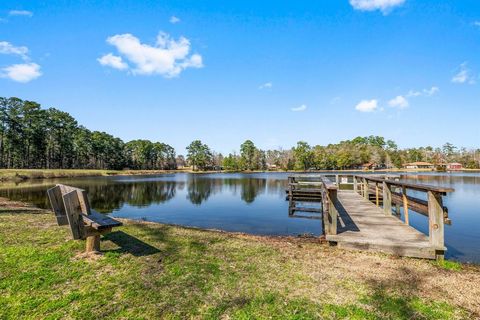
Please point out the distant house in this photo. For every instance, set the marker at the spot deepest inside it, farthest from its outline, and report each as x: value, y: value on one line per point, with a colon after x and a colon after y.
x: 454, y: 166
x: 271, y: 166
x: 369, y: 166
x: 419, y: 165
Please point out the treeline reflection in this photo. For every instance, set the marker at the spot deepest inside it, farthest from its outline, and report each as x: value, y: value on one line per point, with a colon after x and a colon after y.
x: 107, y: 196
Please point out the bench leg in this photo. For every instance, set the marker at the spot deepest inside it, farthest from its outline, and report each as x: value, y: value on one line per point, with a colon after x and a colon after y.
x: 93, y: 243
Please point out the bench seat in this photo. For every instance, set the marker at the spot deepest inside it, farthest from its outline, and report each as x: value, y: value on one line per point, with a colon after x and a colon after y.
x: 72, y: 207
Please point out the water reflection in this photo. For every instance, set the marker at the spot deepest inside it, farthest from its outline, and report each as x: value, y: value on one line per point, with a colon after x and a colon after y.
x: 199, y: 190
x: 109, y: 194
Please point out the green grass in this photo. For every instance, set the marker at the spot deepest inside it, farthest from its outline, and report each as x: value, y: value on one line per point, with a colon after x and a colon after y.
x: 151, y: 271
x: 449, y: 265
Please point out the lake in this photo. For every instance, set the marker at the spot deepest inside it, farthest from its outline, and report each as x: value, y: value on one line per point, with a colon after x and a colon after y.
x: 251, y: 203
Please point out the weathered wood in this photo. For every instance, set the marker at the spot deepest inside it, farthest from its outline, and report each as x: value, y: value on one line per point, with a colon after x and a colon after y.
x: 84, y: 224
x: 56, y: 200
x: 351, y: 219
x: 436, y: 225
x: 93, y: 243
x: 366, y: 227
x: 83, y: 199
x: 405, y: 205
x: 74, y: 214
x: 306, y: 209
x: 413, y: 186
x: 365, y: 188
x: 332, y: 212
x: 328, y: 184
x: 100, y: 221
x: 304, y: 190
x: 387, y: 199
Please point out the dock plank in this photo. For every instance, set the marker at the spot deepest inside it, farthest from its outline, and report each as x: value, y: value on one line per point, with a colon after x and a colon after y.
x: 364, y: 226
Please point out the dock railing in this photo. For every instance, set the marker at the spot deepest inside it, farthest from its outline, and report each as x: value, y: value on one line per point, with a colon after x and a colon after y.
x: 385, y: 191
x: 391, y: 192
x: 330, y: 213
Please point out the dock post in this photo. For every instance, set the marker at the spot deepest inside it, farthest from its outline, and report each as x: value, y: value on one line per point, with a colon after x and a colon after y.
x: 332, y: 212
x: 405, y: 205
x: 337, y: 180
x: 377, y: 196
x: 387, y: 199
x: 436, y: 223
x: 290, y: 196
x: 355, y: 187
x: 365, y: 189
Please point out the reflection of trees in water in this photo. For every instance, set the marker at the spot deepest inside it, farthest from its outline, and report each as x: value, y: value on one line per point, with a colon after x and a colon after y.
x: 200, y: 189
x: 105, y: 196
x: 37, y: 196
x: 277, y: 186
x: 251, y: 188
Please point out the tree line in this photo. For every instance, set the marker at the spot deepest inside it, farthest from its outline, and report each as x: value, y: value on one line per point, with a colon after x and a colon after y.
x: 373, y: 152
x: 33, y: 137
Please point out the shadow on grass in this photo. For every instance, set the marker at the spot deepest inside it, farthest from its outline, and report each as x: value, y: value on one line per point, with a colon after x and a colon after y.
x: 400, y: 298
x: 129, y: 244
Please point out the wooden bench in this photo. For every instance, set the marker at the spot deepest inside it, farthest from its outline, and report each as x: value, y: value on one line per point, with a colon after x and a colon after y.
x: 71, y: 207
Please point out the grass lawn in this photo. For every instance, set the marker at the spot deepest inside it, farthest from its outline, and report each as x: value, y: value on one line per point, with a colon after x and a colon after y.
x: 151, y: 271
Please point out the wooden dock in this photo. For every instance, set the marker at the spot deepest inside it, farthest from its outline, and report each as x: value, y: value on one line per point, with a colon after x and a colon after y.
x: 353, y: 219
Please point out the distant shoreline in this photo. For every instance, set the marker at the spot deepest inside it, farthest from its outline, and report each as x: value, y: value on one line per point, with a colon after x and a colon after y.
x: 35, y: 174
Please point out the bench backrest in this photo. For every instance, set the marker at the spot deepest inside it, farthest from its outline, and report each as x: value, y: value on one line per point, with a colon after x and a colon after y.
x: 69, y: 205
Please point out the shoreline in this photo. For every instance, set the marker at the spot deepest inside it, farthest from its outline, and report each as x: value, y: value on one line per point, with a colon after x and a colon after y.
x: 20, y: 175
x: 300, y: 238
x: 153, y: 270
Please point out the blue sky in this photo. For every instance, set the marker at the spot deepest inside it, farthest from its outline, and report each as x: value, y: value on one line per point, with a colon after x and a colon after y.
x: 272, y: 71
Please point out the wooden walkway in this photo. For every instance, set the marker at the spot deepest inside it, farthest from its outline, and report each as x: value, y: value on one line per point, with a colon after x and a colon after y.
x: 363, y: 212
x: 362, y: 225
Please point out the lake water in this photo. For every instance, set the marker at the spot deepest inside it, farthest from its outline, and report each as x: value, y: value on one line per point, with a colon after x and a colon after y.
x: 251, y: 203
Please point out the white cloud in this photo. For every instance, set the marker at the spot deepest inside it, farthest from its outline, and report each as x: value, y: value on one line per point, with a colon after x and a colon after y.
x: 8, y: 48
x: 25, y: 13
x: 371, y: 5
x: 23, y: 72
x: 3, y: 20
x: 413, y: 93
x: 112, y: 61
x: 367, y: 105
x: 430, y: 92
x: 174, y: 19
x: 476, y: 23
x: 299, y: 109
x: 425, y: 92
x: 463, y: 75
x: 266, y: 85
x: 398, y: 102
x: 168, y: 57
